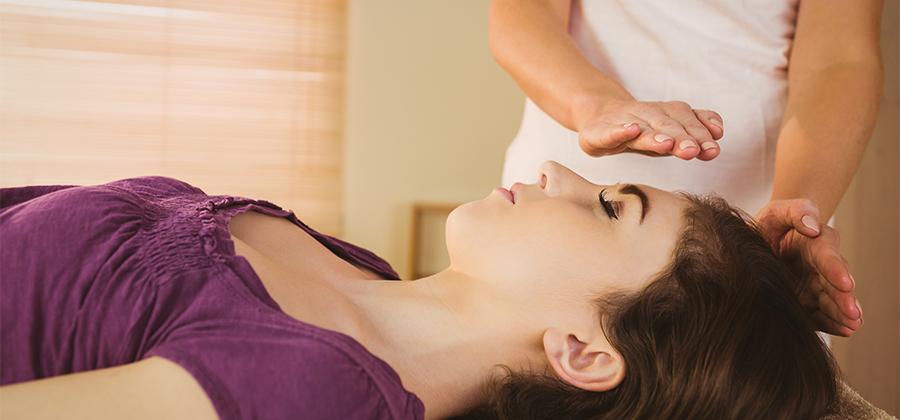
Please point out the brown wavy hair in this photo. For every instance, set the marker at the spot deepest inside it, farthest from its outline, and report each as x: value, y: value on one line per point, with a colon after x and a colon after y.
x: 719, y: 334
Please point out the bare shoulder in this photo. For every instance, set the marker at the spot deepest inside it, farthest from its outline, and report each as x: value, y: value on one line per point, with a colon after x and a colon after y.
x: 153, y: 388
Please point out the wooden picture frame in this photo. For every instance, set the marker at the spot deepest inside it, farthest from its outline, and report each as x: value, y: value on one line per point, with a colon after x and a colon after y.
x: 427, y: 252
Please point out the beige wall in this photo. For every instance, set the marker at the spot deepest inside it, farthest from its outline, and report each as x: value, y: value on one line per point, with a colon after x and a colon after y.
x: 430, y: 115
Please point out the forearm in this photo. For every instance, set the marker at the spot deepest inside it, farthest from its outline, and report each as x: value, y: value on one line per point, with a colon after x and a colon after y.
x: 829, y: 118
x: 153, y: 388
x: 530, y: 40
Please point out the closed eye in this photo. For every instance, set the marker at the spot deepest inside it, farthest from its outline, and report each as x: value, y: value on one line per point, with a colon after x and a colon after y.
x: 611, y: 208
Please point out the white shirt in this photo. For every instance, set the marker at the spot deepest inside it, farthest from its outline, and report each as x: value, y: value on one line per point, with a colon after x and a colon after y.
x: 730, y: 56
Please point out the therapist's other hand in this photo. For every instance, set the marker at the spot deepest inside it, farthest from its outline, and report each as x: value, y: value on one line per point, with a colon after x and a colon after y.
x: 651, y: 128
x: 812, y: 251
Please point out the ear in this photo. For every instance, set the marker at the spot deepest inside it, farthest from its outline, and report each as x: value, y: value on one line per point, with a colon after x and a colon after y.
x: 592, y: 366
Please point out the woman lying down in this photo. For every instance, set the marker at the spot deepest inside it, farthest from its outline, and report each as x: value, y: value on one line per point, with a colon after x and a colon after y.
x: 146, y: 298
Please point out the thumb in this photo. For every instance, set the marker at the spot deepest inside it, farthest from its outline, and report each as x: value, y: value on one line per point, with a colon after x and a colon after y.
x: 599, y: 138
x: 780, y: 216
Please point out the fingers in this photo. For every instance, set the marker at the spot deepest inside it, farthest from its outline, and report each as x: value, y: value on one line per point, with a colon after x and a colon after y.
x: 844, y: 300
x: 600, y: 138
x: 834, y: 280
x: 824, y: 255
x: 780, y: 216
x: 808, y: 299
x: 684, y: 115
x: 823, y: 312
x: 709, y: 150
x: 678, y: 121
x: 712, y: 121
x: 659, y: 129
x: 652, y: 141
x: 828, y: 261
x: 662, y: 126
x: 828, y: 305
x: 826, y: 324
x: 818, y: 295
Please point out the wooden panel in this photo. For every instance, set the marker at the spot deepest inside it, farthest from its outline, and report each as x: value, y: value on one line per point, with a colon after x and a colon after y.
x: 428, y: 250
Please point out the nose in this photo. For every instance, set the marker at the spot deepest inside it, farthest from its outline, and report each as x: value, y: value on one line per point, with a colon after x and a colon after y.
x: 558, y: 180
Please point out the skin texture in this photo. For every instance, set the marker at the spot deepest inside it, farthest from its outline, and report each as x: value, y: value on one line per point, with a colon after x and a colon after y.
x: 519, y: 291
x: 834, y: 79
x: 526, y: 35
x: 520, y: 286
x: 835, y: 82
x: 154, y: 388
x: 828, y: 285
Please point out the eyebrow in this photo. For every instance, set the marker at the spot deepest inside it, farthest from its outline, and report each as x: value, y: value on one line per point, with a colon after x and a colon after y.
x: 634, y: 190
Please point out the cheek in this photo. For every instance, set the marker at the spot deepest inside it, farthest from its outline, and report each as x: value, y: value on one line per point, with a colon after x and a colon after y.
x: 636, y: 258
x: 523, y: 243
x: 570, y: 253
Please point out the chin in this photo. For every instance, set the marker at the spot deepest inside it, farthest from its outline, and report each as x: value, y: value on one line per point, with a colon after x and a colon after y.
x: 454, y: 228
x: 464, y: 231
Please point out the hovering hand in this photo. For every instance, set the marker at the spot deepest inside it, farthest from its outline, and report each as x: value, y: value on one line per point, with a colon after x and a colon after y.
x: 812, y: 250
x: 653, y: 129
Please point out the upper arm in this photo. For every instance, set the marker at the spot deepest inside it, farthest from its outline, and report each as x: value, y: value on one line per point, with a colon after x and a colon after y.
x: 836, y: 31
x: 153, y: 388
x: 506, y: 14
x: 559, y: 8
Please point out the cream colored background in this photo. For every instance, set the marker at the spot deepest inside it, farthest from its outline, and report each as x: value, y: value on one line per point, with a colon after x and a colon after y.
x: 430, y: 114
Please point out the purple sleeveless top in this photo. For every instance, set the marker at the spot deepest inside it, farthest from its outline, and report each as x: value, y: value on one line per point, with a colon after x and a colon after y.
x: 99, y: 276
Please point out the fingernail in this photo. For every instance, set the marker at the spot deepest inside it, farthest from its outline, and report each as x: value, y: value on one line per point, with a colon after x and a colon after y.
x: 627, y: 126
x: 708, y: 145
x: 859, y: 308
x: 810, y: 222
x: 686, y: 144
x: 716, y: 122
x: 659, y: 138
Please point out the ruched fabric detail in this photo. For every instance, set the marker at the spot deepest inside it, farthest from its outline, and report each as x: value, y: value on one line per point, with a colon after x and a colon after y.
x: 144, y: 267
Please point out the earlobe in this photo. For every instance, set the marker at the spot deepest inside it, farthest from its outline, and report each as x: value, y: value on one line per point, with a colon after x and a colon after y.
x: 592, y: 366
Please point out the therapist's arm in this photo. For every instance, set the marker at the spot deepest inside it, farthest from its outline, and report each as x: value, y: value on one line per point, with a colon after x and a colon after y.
x: 835, y: 78
x: 530, y: 40
x: 834, y: 88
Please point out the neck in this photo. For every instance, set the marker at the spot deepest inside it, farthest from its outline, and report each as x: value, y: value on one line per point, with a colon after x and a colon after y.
x: 445, y: 335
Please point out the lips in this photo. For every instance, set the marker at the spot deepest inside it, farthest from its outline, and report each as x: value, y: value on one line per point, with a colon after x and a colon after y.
x: 507, y: 194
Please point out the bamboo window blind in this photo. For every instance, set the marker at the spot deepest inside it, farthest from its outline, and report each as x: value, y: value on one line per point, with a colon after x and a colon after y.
x: 239, y: 97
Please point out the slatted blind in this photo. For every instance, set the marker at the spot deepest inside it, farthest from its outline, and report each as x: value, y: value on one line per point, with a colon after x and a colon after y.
x: 238, y: 97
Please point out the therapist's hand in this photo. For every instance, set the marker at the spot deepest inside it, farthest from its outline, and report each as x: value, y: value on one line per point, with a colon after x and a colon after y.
x: 651, y: 128
x: 812, y: 251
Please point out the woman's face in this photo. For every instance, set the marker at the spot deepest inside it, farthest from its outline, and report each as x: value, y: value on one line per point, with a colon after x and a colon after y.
x: 556, y: 239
